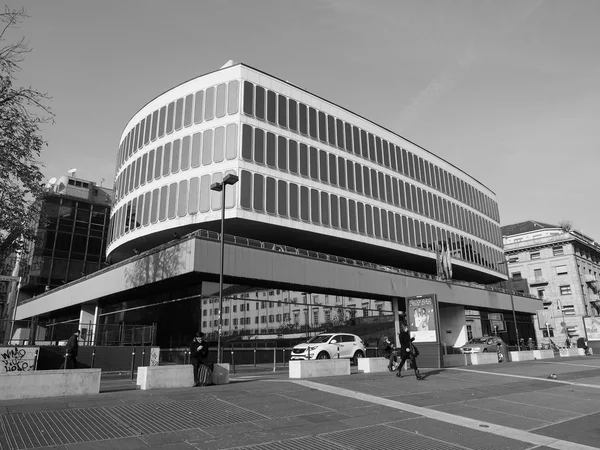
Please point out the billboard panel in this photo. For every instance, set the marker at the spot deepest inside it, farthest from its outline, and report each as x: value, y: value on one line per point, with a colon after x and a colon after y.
x: 422, y: 318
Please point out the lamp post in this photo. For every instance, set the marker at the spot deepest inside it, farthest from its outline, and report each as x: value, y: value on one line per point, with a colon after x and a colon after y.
x: 512, y: 303
x: 230, y: 179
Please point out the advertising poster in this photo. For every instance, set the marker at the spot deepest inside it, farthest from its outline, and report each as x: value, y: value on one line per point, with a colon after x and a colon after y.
x: 421, y: 319
x: 592, y: 327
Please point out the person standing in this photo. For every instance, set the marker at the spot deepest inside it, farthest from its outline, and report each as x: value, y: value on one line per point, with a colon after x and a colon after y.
x: 198, y: 351
x: 72, y: 350
x: 407, y: 352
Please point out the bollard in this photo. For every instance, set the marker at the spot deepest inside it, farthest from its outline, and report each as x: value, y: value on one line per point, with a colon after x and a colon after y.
x: 232, y: 362
x: 338, y: 353
x: 143, y: 355
x: 274, y: 359
x: 254, y: 356
x: 93, y: 357
x: 283, y: 354
x: 132, y: 362
x: 66, y: 356
x: 35, y: 360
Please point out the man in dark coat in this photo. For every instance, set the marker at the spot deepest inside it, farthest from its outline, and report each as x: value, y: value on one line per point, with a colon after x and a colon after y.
x: 198, y: 351
x: 407, y: 351
x: 387, y: 350
x: 72, y: 350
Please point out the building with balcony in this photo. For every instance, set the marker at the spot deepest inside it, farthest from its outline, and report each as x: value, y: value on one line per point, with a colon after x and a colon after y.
x: 561, y: 266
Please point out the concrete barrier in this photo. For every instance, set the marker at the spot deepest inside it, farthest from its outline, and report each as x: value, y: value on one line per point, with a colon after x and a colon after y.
x: 482, y: 358
x: 543, y: 354
x: 455, y: 360
x: 526, y: 355
x: 319, y: 368
x: 581, y: 351
x: 49, y: 383
x: 221, y: 374
x: 371, y: 365
x: 566, y: 352
x: 159, y: 377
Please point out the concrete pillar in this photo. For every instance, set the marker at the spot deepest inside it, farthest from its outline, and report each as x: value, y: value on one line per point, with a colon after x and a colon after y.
x: 395, y: 311
x: 88, y: 319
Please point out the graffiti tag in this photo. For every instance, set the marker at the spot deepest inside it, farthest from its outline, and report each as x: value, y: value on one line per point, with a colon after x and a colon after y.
x: 14, y: 360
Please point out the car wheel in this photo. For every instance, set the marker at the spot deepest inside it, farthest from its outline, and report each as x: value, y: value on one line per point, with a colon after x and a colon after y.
x: 323, y: 355
x: 485, y: 350
x: 356, y: 356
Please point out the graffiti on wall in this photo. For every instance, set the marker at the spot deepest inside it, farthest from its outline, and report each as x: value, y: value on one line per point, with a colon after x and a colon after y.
x: 16, y: 359
x: 154, y: 356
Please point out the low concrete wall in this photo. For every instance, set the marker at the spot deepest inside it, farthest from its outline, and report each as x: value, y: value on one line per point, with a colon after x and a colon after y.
x: 566, y: 352
x: 526, y: 355
x: 581, y: 351
x: 319, y: 368
x: 49, y: 383
x: 482, y: 358
x: 159, y: 377
x: 371, y: 365
x: 543, y: 354
x: 456, y: 360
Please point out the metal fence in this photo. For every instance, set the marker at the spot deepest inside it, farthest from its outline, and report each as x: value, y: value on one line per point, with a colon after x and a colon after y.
x: 31, y: 332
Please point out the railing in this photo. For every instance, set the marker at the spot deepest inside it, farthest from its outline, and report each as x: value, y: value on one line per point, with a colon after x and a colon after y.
x: 242, y: 359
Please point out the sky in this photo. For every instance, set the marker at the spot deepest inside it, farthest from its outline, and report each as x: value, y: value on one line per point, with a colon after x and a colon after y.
x: 507, y: 91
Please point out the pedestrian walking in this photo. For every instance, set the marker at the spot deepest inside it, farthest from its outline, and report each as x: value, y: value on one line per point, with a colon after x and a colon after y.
x: 72, y: 350
x: 407, y: 352
x: 387, y: 350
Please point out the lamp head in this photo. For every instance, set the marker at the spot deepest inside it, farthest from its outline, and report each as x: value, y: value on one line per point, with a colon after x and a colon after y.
x: 217, y: 187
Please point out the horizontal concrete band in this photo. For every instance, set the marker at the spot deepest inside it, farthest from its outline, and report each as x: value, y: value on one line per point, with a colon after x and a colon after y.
x: 49, y: 383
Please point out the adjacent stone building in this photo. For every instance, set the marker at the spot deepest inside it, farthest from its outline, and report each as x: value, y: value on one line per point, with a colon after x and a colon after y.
x: 561, y: 266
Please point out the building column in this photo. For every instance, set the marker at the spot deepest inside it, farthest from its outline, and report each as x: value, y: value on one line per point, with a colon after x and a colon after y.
x: 395, y: 311
x: 88, y: 321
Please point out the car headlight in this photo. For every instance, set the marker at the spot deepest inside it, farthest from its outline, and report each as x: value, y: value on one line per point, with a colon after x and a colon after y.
x: 313, y: 348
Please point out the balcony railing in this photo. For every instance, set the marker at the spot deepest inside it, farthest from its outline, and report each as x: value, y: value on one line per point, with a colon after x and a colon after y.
x: 537, y: 281
x: 588, y: 278
x: 538, y: 241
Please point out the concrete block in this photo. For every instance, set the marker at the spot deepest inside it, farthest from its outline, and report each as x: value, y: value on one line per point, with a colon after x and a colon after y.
x: 371, y: 365
x: 566, y: 352
x: 221, y: 374
x: 483, y: 358
x: 160, y: 377
x: 543, y: 354
x: 49, y: 383
x: 526, y: 355
x: 319, y: 368
x: 456, y: 360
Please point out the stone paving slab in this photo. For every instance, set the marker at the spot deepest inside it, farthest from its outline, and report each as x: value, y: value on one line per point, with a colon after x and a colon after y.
x: 585, y: 432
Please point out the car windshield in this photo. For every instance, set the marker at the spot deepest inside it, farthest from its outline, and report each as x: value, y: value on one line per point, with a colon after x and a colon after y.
x: 319, y: 339
x: 478, y: 341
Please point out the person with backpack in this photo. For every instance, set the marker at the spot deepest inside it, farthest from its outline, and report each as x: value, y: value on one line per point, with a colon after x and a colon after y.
x: 198, y: 353
x: 72, y: 350
x: 407, y: 352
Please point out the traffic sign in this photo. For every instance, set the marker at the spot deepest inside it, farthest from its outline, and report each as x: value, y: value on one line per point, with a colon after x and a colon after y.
x: 7, y: 278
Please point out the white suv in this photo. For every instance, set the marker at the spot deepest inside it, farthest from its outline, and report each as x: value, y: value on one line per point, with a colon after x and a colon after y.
x: 330, y: 345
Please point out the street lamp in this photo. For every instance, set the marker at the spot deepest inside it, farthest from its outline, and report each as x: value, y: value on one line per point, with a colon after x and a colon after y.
x: 512, y: 303
x: 230, y: 179
x: 563, y: 324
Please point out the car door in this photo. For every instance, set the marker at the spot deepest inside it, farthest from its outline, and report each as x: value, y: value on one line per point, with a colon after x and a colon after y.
x: 339, y: 344
x: 350, y: 345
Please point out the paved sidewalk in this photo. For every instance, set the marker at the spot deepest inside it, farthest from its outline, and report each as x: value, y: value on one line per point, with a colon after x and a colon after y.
x: 502, y: 406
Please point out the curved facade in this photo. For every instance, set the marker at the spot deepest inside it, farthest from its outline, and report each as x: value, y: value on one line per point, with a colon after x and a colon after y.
x: 312, y: 175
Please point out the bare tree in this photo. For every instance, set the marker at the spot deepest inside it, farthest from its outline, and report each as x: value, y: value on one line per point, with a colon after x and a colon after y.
x: 566, y: 225
x: 22, y: 111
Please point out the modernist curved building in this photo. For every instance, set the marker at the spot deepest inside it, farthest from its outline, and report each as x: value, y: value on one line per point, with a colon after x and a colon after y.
x: 312, y: 175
